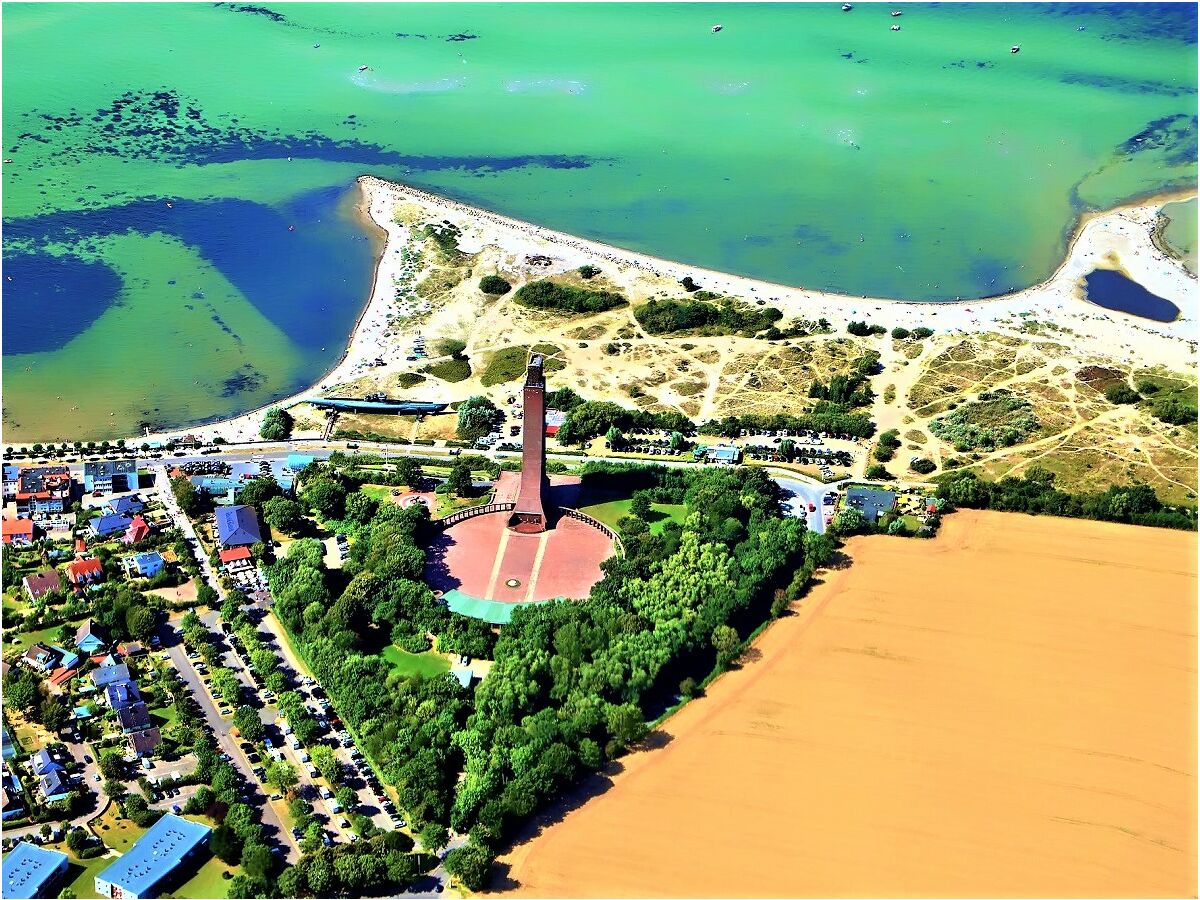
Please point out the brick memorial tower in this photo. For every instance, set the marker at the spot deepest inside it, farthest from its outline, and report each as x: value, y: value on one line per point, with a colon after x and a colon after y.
x: 529, y: 516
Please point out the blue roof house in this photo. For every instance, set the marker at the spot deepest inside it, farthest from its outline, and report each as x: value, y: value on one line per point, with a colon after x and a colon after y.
x: 91, y: 637
x: 41, y: 762
x: 156, y: 858
x: 31, y: 871
x: 147, y: 565
x: 106, y: 675
x: 54, y: 786
x: 110, y: 524
x: 122, y: 694
x: 237, y: 526
x: 126, y: 506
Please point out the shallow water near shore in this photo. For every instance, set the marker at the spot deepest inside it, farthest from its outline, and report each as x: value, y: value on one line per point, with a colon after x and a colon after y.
x: 801, y: 145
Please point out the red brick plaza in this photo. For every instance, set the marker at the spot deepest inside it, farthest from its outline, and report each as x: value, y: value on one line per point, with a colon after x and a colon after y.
x: 530, y: 551
x: 485, y: 558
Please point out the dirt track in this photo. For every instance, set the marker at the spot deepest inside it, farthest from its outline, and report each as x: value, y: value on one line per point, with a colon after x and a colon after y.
x: 1007, y: 710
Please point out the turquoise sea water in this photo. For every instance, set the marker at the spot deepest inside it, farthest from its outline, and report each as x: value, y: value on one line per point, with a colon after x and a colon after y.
x: 160, y: 154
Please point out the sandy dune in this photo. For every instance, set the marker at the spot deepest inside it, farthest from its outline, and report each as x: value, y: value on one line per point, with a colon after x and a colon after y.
x: 1008, y: 710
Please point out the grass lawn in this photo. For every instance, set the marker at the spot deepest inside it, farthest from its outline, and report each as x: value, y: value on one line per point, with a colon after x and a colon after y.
x: 448, y: 503
x: 660, y: 513
x: 44, y: 635
x: 81, y: 873
x: 119, y: 834
x: 166, y: 717
x: 423, y: 664
x: 380, y: 491
x: 209, y: 880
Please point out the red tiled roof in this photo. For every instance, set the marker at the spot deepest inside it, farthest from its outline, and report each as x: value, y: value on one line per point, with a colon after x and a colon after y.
x: 18, y: 526
x: 228, y: 556
x: 61, y: 676
x: 83, y: 568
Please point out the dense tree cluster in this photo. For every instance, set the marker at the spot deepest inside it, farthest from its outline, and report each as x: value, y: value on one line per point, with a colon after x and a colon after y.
x: 574, y: 683
x: 592, y: 418
x: 998, y: 418
x: 862, y: 329
x: 826, y: 417
x: 850, y: 389
x: 494, y: 285
x: 477, y: 416
x: 665, y: 316
x: 567, y: 299
x: 277, y: 425
x: 1136, y: 504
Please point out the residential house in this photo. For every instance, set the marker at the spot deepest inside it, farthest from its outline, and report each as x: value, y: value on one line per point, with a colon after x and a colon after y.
x: 42, y: 762
x: 237, y: 526
x: 11, y: 794
x: 130, y: 648
x: 19, y: 532
x: 91, y: 637
x: 40, y: 658
x: 106, y: 675
x: 110, y: 476
x: 139, y: 529
x: 41, y: 583
x: 120, y: 694
x: 54, y: 786
x: 85, y: 572
x: 235, y: 560
x: 12, y: 477
x: 43, y: 490
x: 133, y: 716
x: 129, y: 505
x: 728, y: 456
x: 143, y: 743
x: 143, y: 565
x: 106, y: 526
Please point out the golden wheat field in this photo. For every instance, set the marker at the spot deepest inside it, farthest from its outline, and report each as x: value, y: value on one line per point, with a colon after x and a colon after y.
x: 1006, y: 710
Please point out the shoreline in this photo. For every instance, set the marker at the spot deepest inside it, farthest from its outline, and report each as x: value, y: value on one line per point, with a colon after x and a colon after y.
x: 1098, y: 237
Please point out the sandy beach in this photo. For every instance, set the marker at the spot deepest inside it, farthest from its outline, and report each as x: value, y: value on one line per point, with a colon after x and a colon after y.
x: 1008, y: 710
x: 1121, y: 238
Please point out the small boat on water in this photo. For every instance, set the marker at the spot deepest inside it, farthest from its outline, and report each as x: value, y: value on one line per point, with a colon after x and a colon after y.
x: 895, y: 28
x: 1016, y: 48
x: 896, y: 12
x: 717, y: 28
x: 846, y: 7
x: 316, y: 46
x: 363, y: 68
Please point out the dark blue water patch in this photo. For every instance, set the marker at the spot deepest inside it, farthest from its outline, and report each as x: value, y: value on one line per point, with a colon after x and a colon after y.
x: 165, y: 126
x: 1113, y: 290
x: 1127, y: 85
x: 1131, y: 21
x: 52, y: 299
x: 305, y: 266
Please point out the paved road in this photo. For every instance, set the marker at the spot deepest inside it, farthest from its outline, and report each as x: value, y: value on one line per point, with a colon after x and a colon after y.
x: 254, y: 792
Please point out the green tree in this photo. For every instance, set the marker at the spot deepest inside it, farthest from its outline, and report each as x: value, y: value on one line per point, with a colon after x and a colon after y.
x: 55, y: 714
x: 477, y: 416
x: 471, y: 864
x: 460, y: 478
x: 347, y: 798
x: 614, y: 437
x: 727, y: 644
x: 848, y: 521
x: 360, y: 507
x: 77, y: 839
x: 277, y: 425
x: 588, y: 272
x: 186, y: 496
x: 111, y: 764
x: 640, y: 505
x: 1121, y: 393
x: 257, y: 491
x: 326, y: 496
x: 139, y: 622
x: 248, y: 724
x: 434, y: 837
x: 787, y: 449
x: 494, y: 285
x: 626, y: 724
x: 283, y: 514
x: 282, y: 775
x: 900, y: 333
